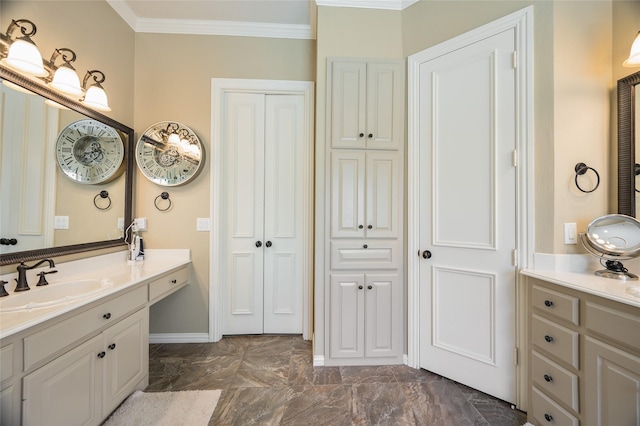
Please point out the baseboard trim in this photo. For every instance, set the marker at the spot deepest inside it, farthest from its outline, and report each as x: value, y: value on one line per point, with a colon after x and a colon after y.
x: 318, y: 360
x: 179, y: 338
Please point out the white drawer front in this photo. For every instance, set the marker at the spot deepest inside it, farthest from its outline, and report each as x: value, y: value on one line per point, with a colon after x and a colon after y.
x: 376, y: 255
x: 168, y: 283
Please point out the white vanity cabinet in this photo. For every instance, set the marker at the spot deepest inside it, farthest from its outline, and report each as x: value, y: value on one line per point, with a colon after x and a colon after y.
x: 78, y: 366
x: 584, y: 359
x: 367, y: 104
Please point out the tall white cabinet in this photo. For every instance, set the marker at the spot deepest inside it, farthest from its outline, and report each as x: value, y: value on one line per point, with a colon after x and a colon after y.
x: 364, y: 280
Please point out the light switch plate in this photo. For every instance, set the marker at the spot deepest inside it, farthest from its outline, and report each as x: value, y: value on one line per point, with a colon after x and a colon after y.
x: 570, y: 233
x: 141, y: 224
x: 61, y: 222
x: 202, y: 224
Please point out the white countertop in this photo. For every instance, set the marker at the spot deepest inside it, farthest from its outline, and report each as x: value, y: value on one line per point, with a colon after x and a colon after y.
x: 113, y: 267
x: 578, y: 274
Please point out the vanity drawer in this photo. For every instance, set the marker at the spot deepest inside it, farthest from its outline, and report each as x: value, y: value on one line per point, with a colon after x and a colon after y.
x: 617, y: 325
x: 377, y: 255
x: 168, y: 283
x: 555, y: 380
x: 40, y: 345
x: 555, y: 339
x: 548, y: 412
x: 556, y: 304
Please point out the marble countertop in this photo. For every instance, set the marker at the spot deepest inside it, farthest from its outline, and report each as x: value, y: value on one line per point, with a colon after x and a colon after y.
x: 627, y: 292
x: 113, y: 267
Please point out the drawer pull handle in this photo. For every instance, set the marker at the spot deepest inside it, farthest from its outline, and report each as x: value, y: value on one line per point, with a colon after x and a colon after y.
x: 548, y: 417
x: 360, y: 287
x: 548, y: 378
x: 548, y: 338
x: 107, y: 315
x: 112, y: 346
x: 548, y: 303
x: 102, y: 354
x: 174, y: 281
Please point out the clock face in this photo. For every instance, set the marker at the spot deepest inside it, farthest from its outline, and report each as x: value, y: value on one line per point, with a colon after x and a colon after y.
x: 90, y: 152
x: 169, y: 154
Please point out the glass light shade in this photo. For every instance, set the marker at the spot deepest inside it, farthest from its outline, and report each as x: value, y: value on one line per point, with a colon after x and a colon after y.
x: 96, y: 98
x: 55, y: 104
x: 24, y: 56
x: 17, y: 88
x: 634, y: 55
x: 66, y: 80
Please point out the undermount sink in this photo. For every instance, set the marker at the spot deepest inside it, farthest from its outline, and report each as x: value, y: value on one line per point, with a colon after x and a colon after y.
x: 53, y: 294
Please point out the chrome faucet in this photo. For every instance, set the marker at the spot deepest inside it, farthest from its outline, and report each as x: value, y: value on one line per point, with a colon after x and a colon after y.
x: 21, y: 281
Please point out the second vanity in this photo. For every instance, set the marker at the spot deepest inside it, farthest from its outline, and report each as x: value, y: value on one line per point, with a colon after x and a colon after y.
x: 74, y: 362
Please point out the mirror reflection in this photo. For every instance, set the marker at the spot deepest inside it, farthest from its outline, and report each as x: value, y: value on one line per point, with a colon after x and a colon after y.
x: 41, y: 207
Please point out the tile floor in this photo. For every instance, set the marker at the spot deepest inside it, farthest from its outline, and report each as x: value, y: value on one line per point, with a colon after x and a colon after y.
x: 270, y: 380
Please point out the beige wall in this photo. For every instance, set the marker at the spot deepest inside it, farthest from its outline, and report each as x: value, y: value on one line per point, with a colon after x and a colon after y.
x: 173, y: 82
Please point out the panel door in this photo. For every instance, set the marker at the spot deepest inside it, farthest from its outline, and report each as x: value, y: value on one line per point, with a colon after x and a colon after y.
x: 383, y: 193
x: 66, y: 391
x: 385, y: 106
x: 347, y: 316
x: 282, y: 248
x: 127, y: 355
x: 348, y: 194
x: 468, y: 215
x: 383, y: 315
x: 348, y: 104
x: 612, y: 385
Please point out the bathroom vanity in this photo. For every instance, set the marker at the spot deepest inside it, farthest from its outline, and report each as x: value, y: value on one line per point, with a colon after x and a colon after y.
x: 584, y: 350
x: 74, y: 362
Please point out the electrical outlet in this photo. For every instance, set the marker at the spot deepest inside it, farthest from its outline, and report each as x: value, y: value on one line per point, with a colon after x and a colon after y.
x: 141, y: 223
x: 121, y: 223
x: 570, y: 233
x: 61, y: 222
x: 202, y: 224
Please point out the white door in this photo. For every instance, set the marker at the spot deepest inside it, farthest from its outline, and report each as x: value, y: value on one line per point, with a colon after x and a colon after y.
x: 467, y: 135
x: 263, y: 277
x: 27, y: 182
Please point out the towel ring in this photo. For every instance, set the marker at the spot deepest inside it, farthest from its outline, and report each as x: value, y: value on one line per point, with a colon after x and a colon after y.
x: 581, y: 169
x: 164, y: 196
x: 103, y: 194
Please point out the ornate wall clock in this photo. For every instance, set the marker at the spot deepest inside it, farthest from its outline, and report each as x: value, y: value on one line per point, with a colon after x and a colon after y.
x: 169, y: 154
x: 90, y: 152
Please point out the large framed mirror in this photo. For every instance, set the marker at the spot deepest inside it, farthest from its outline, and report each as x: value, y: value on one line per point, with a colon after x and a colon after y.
x: 44, y: 213
x: 628, y: 163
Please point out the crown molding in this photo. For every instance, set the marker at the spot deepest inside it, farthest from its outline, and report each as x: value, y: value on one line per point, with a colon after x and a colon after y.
x: 369, y: 4
x: 211, y: 27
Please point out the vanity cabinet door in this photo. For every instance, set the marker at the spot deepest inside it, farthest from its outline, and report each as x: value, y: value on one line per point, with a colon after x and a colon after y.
x: 67, y: 390
x: 127, y: 358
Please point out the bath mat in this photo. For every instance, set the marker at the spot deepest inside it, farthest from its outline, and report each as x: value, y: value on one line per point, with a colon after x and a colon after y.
x: 192, y: 408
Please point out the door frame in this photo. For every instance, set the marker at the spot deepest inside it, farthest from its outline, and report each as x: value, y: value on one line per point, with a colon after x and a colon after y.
x: 522, y: 23
x: 220, y: 86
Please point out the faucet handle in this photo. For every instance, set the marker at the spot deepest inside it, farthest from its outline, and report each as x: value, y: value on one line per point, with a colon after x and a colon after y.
x: 43, y: 281
x: 3, y: 292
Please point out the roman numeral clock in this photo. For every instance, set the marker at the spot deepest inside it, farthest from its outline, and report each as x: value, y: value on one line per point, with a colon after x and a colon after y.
x: 169, y: 154
x: 90, y: 152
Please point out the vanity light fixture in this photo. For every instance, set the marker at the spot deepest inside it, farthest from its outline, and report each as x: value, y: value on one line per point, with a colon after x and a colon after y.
x: 23, y: 54
x: 95, y: 96
x: 65, y: 79
x: 634, y: 56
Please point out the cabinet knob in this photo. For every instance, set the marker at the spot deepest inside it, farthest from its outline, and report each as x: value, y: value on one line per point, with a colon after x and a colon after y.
x: 365, y: 246
x: 370, y: 135
x: 548, y: 303
x: 360, y: 226
x: 548, y: 417
x: 547, y: 378
x: 370, y: 227
x: 426, y: 254
x: 112, y: 346
x: 548, y: 338
x: 258, y: 244
x: 102, y: 354
x: 268, y: 244
x: 360, y: 287
x: 362, y: 135
x: 370, y: 287
x: 174, y: 281
x: 107, y: 315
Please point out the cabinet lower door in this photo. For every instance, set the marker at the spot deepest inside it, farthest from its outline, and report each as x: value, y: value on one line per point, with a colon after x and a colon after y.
x: 612, y: 385
x: 383, y: 315
x: 127, y: 356
x: 347, y: 314
x: 66, y: 391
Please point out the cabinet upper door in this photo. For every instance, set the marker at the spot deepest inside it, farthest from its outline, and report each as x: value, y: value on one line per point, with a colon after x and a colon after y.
x: 347, y: 194
x: 366, y: 104
x: 383, y: 191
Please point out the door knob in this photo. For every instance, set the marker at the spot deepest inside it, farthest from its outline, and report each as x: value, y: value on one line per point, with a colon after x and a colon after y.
x: 426, y: 254
x: 258, y: 243
x: 268, y: 244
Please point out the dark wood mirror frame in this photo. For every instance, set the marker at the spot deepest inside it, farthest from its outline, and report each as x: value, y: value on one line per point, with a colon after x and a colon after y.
x: 626, y: 144
x: 44, y: 91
